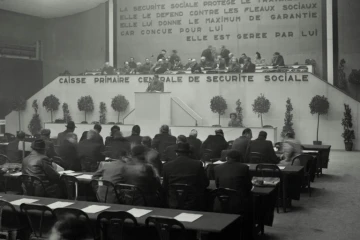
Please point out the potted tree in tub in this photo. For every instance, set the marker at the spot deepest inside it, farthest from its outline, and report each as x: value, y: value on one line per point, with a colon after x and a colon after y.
x: 51, y: 104
x: 119, y: 103
x: 218, y: 105
x: 86, y: 104
x: 319, y: 105
x: 348, y: 134
x: 261, y: 105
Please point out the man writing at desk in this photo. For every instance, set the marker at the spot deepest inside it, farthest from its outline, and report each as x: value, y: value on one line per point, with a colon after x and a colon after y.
x: 155, y: 85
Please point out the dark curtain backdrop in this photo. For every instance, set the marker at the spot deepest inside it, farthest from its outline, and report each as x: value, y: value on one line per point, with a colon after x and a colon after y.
x: 18, y: 77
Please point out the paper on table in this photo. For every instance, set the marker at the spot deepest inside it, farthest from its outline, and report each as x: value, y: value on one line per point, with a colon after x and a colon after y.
x: 16, y: 174
x: 73, y: 174
x: 187, y: 217
x: 136, y: 212
x: 23, y: 200
x: 59, y: 204
x: 282, y: 167
x: 85, y: 176
x: 66, y: 172
x: 218, y: 162
x: 94, y: 208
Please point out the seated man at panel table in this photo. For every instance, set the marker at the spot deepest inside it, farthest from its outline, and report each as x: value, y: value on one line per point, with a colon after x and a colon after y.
x: 249, y: 67
x: 70, y: 127
x: 38, y: 164
x: 69, y: 153
x: 90, y: 152
x: 155, y: 85
x: 119, y: 143
x: 215, y: 143
x: 234, y: 67
x: 242, y: 143
x: 108, y: 69
x: 185, y: 170
x: 141, y: 174
x: 13, y: 152
x: 234, y: 175
x: 195, y: 144
x: 264, y: 147
x: 112, y: 172
x: 146, y: 67
x: 50, y: 149
x: 110, y: 138
x: 151, y: 155
x: 162, y: 140
x: 135, y: 138
x: 170, y: 152
x: 278, y: 60
x: 291, y: 147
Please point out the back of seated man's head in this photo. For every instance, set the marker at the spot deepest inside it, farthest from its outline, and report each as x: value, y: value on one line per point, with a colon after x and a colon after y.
x: 234, y: 156
x: 114, y: 129
x: 193, y: 133
x: 146, y: 141
x: 71, y: 137
x: 136, y: 130
x: 92, y: 134
x: 290, y: 135
x: 20, y: 135
x: 263, y: 135
x: 164, y: 129
x: 247, y: 133
x: 181, y: 139
x: 97, y: 127
x: 219, y: 132
x: 118, y: 135
x: 138, y: 152
x: 70, y: 227
x: 45, y: 133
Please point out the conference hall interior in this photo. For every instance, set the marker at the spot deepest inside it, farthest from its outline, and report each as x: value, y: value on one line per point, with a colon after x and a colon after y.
x: 181, y: 119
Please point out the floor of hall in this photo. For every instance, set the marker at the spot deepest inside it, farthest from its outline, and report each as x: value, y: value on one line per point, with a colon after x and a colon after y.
x: 333, y: 210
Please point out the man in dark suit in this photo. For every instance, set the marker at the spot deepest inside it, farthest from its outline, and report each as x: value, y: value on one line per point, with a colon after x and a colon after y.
x: 151, y: 155
x: 241, y: 144
x: 50, y: 149
x: 38, y: 164
x: 135, y: 138
x: 97, y: 128
x: 107, y: 69
x: 170, y: 152
x: 90, y: 152
x: 162, y: 140
x: 119, y: 143
x: 264, y: 147
x: 113, y: 130
x: 278, y: 60
x: 207, y: 53
x: 69, y: 154
x: 13, y: 152
x: 215, y: 144
x: 249, y: 67
x: 184, y: 170
x: 225, y: 54
x: 70, y: 127
x: 161, y: 55
x: 195, y: 144
x: 155, y: 85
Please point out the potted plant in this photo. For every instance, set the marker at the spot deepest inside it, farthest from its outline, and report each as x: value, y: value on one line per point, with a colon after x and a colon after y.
x: 239, y: 112
x: 348, y: 134
x: 51, y: 103
x: 66, y: 113
x: 102, y: 112
x: 86, y: 104
x: 319, y: 105
x: 218, y: 105
x: 19, y: 105
x: 287, y: 128
x: 35, y: 123
x: 261, y: 105
x: 119, y: 103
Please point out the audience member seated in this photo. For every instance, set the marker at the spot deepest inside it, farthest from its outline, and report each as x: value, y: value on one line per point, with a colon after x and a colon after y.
x: 13, y: 152
x: 249, y: 67
x: 161, y: 55
x: 70, y: 127
x: 69, y: 154
x: 242, y: 58
x: 216, y: 143
x: 108, y: 70
x: 207, y: 53
x: 242, y: 143
x: 234, y: 67
x: 50, y: 149
x: 170, y: 152
x: 119, y: 143
x: 185, y: 170
x: 162, y: 140
x: 91, y: 149
x: 174, y: 58
x: 141, y: 174
x: 110, y: 138
x: 224, y: 53
x: 278, y: 60
x: 265, y: 147
x: 234, y: 175
x: 195, y: 144
x: 70, y: 227
x: 151, y: 155
x: 112, y: 172
x: 39, y: 165
x: 258, y: 60
x: 97, y: 128
x: 234, y: 121
x: 135, y: 138
x: 291, y: 147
